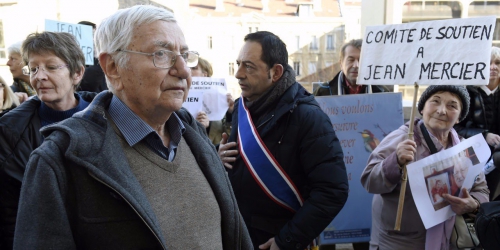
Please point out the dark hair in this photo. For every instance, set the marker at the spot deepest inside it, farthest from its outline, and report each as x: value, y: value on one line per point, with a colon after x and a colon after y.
x: 356, y: 43
x: 62, y: 44
x: 88, y: 24
x: 273, y: 49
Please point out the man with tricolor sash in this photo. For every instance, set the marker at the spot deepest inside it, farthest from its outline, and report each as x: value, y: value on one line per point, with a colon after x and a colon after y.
x: 283, y: 158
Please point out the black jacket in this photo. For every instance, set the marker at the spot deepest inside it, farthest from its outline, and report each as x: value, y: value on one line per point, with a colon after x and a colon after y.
x: 93, y: 79
x: 82, y: 193
x: 332, y: 87
x: 493, y: 178
x: 482, y: 115
x: 19, y: 136
x: 301, y: 138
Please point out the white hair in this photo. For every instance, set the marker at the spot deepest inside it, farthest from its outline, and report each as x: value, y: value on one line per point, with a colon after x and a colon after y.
x: 116, y: 31
x: 15, y: 48
x: 495, y: 53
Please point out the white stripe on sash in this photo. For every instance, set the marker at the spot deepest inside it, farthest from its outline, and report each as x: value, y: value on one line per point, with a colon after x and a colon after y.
x: 264, y: 168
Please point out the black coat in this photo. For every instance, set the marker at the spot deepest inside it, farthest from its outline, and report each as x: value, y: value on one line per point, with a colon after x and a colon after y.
x: 19, y: 136
x: 332, y: 87
x: 301, y: 138
x: 93, y: 79
x: 482, y: 114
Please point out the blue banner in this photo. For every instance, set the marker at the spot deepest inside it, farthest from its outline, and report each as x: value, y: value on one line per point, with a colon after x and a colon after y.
x: 360, y: 122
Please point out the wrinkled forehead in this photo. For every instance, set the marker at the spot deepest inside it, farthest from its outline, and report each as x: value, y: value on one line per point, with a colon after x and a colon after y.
x: 160, y: 34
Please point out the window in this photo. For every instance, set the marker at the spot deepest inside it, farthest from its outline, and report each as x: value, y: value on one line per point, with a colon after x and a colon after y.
x: 330, y: 42
x: 296, y: 67
x: 328, y: 63
x: 3, y: 53
x: 249, y: 29
x: 210, y: 42
x: 297, y: 39
x: 314, y: 43
x: 255, y: 29
x: 311, y: 68
x: 231, y: 69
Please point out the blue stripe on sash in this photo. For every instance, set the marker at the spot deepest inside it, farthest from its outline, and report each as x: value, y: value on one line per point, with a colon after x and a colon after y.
x: 261, y: 163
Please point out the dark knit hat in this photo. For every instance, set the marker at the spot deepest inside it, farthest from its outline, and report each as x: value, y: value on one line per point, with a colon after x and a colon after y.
x: 458, y: 90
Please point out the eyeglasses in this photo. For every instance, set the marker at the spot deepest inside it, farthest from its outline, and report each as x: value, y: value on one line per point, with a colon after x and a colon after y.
x: 31, y: 71
x: 166, y: 59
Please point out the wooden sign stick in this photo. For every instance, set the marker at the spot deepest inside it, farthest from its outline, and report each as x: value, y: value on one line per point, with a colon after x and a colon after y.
x: 404, y: 175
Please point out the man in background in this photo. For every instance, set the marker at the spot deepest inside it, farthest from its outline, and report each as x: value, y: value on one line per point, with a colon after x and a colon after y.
x: 345, y: 82
x: 93, y: 79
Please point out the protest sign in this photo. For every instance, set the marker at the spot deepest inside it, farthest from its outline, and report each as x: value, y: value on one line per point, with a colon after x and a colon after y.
x: 209, y: 95
x: 360, y: 122
x: 82, y: 33
x: 193, y: 103
x: 446, y: 172
x: 445, y: 52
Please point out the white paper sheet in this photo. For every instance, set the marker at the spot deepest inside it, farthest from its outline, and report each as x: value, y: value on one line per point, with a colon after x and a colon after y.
x: 445, y: 172
x: 209, y: 95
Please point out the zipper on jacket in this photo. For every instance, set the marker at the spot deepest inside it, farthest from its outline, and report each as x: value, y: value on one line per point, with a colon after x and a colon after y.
x: 264, y: 122
x: 287, y: 121
x: 130, y: 206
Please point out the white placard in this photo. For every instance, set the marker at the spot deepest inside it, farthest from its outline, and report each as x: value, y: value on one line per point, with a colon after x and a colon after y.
x: 445, y: 172
x: 209, y: 95
x: 83, y: 34
x: 194, y: 103
x: 445, y: 52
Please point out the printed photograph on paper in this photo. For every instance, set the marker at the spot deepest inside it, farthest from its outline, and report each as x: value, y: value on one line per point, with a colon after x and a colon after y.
x: 447, y: 176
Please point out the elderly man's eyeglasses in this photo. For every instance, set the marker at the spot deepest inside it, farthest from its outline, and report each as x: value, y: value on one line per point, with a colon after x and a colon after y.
x: 31, y: 71
x: 166, y: 59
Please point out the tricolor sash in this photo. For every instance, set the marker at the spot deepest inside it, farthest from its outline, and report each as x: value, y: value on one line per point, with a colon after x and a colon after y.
x: 266, y: 170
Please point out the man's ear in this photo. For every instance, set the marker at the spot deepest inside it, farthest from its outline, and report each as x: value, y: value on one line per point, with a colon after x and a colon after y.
x: 276, y: 72
x: 110, y: 69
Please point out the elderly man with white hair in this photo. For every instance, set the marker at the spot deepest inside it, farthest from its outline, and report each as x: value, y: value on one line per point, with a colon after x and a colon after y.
x: 133, y: 170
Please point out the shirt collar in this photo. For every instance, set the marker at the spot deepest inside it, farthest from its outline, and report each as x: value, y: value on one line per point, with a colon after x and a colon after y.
x: 134, y: 129
x: 487, y: 90
x: 353, y: 89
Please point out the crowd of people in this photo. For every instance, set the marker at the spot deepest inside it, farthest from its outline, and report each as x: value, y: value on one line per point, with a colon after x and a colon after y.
x: 124, y: 166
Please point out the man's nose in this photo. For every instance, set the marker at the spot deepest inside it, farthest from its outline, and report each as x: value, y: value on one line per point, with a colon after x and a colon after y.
x: 180, y: 68
x: 356, y: 64
x: 240, y: 72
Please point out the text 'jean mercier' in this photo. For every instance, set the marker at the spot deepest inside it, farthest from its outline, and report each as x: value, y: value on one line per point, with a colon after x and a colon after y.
x: 430, y: 70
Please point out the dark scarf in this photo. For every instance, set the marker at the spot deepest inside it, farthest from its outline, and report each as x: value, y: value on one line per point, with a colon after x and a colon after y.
x: 260, y: 107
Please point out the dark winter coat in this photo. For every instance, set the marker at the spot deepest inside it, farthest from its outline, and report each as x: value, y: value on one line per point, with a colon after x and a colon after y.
x: 19, y: 136
x: 93, y: 79
x: 332, y: 87
x: 82, y: 193
x: 482, y: 114
x: 301, y: 138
